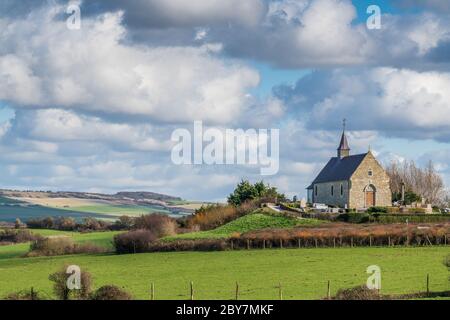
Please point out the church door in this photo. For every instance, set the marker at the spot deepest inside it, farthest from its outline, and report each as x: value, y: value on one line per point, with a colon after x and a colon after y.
x: 370, y: 196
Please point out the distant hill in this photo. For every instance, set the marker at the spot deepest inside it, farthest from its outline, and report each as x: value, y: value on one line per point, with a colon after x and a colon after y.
x: 143, y: 195
x: 125, y: 195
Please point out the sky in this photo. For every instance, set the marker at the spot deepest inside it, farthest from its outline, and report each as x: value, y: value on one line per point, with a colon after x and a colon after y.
x: 93, y: 109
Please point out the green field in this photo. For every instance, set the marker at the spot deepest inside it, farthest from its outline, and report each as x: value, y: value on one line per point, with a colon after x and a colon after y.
x: 256, y: 221
x: 103, y: 239
x: 303, y: 273
x: 119, y: 210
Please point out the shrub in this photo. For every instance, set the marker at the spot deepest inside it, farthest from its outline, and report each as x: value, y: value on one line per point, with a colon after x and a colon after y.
x: 159, y: 225
x: 189, y: 245
x: 357, y: 293
x: 56, y: 246
x: 213, y: 216
x: 24, y: 295
x: 377, y: 210
x: 17, y: 236
x: 111, y: 292
x: 136, y: 241
x: 358, y: 217
x: 62, y: 291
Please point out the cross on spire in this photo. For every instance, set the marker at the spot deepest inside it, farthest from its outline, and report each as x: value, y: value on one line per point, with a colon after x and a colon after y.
x: 344, y: 123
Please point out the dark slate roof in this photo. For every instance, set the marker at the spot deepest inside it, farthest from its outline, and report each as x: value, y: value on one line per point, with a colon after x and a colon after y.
x: 338, y: 169
x: 343, y: 145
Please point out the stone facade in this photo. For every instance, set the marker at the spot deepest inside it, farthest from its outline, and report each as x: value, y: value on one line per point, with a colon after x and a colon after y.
x: 330, y: 193
x: 378, y: 180
x: 351, y: 193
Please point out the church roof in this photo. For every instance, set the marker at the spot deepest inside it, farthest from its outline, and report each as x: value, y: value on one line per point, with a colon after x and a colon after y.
x: 339, y: 169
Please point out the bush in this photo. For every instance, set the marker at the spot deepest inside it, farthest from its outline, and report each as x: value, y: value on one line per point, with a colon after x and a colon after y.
x: 160, y: 225
x: 137, y: 241
x: 111, y: 292
x: 357, y: 293
x: 17, y: 236
x: 69, y: 224
x: 57, y: 246
x: 189, y: 245
x: 358, y: 217
x: 31, y: 295
x: 377, y: 210
x: 62, y: 291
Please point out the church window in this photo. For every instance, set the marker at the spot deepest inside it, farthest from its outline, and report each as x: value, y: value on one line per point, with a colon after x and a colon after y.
x: 342, y: 189
x: 370, y: 173
x: 315, y: 191
x: 332, y: 190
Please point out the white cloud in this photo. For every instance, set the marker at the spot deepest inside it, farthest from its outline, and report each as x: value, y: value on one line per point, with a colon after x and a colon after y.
x: 45, y: 64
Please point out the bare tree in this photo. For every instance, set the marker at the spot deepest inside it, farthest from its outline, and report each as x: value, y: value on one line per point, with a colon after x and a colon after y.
x: 425, y: 182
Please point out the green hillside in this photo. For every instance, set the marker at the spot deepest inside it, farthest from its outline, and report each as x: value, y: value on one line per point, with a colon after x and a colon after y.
x: 256, y: 221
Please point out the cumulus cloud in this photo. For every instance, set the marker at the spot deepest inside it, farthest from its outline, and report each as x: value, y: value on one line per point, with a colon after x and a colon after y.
x: 43, y: 64
x: 399, y: 102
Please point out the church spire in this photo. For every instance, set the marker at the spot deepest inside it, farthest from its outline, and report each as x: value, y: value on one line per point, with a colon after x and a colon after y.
x: 343, y: 150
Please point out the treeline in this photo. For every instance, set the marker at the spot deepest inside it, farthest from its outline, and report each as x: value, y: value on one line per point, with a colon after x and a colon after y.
x: 420, y: 183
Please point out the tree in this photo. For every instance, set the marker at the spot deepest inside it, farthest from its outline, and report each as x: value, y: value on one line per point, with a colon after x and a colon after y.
x: 245, y: 191
x: 420, y: 183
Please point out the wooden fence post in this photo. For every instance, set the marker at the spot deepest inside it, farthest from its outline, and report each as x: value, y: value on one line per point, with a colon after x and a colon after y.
x: 370, y: 241
x: 237, y: 290
x: 248, y: 244
x: 281, y: 243
x: 299, y: 242
x: 231, y: 243
x: 152, y: 291
x: 264, y: 243
x: 334, y: 242
x: 351, y: 240
x: 281, y: 292
x: 192, y: 290
x: 329, y: 291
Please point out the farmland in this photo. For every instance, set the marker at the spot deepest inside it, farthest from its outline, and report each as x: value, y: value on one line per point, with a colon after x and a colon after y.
x: 28, y: 208
x: 303, y: 273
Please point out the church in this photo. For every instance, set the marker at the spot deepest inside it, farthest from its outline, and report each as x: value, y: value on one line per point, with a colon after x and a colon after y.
x: 351, y: 181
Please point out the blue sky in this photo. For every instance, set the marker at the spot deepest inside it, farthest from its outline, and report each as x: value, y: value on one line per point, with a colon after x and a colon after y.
x: 94, y: 109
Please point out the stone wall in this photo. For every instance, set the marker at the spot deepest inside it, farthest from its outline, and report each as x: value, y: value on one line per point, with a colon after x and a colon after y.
x: 361, y: 179
x: 324, y: 193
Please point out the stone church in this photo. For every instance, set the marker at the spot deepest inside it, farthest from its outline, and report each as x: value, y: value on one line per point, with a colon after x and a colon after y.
x: 351, y: 181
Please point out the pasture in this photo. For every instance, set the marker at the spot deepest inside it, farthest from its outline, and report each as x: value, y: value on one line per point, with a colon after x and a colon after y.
x: 303, y: 273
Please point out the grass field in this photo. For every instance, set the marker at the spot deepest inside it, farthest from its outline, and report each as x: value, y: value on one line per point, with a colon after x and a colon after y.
x: 103, y: 239
x: 303, y: 273
x: 247, y: 223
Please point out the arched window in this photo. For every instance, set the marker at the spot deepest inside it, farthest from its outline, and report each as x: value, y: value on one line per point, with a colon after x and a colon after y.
x: 315, y: 191
x: 332, y: 190
x: 342, y: 189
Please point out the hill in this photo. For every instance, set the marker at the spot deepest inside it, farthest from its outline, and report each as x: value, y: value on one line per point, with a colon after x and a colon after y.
x: 258, y: 220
